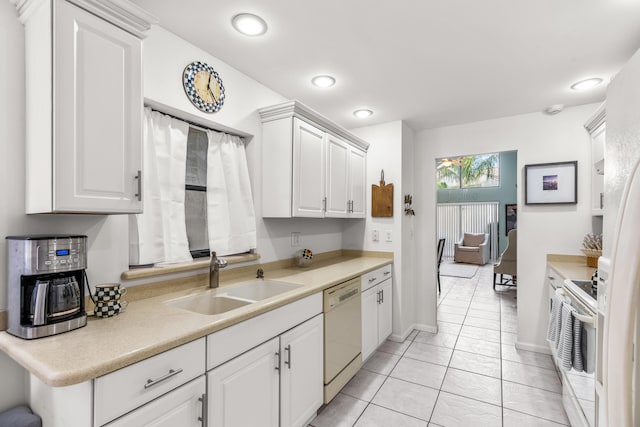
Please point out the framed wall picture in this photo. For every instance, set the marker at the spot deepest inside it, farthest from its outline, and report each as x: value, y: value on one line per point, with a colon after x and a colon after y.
x: 551, y: 183
x: 511, y: 217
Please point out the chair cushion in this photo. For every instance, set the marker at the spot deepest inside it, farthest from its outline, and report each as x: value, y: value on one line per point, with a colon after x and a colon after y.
x: 469, y: 248
x: 473, y: 239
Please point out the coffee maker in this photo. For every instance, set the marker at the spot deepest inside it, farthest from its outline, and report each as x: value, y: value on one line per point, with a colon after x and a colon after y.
x: 46, y: 284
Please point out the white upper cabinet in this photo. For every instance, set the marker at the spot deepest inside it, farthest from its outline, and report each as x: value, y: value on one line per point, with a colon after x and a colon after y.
x: 596, y: 126
x: 84, y: 107
x: 311, y: 167
x: 308, y: 170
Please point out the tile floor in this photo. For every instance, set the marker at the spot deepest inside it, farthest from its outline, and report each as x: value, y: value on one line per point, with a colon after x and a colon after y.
x: 468, y: 374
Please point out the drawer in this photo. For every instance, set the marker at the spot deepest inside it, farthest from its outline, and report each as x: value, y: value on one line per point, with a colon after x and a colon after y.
x: 555, y: 279
x: 374, y: 277
x: 128, y: 388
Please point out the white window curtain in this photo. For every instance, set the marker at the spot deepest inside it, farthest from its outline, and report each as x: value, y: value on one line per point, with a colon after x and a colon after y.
x: 159, y: 235
x: 231, y: 217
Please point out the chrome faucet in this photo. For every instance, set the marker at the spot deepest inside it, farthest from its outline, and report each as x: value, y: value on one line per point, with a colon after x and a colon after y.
x: 214, y: 270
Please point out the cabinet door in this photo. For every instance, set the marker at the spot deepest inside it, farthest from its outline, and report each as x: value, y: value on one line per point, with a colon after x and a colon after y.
x: 357, y: 179
x: 597, y: 180
x: 308, y: 170
x: 183, y: 407
x: 301, y: 372
x: 385, y: 313
x: 338, y: 201
x: 97, y: 114
x: 369, y: 321
x: 245, y: 391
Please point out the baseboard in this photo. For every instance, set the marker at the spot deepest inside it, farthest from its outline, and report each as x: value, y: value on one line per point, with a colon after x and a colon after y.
x: 426, y: 328
x: 544, y: 349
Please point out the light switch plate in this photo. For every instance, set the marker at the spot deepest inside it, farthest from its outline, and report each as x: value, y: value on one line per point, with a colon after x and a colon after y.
x: 295, y: 239
x: 375, y: 236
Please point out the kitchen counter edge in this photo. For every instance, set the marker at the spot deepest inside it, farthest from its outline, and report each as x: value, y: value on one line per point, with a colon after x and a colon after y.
x: 150, y: 327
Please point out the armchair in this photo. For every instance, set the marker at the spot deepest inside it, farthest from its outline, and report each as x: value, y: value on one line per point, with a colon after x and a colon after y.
x: 472, y: 249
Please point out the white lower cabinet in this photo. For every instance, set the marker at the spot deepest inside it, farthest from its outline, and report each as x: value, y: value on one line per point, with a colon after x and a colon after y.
x: 244, y: 391
x: 301, y: 380
x: 264, y: 371
x: 377, y: 314
x: 278, y: 383
x: 184, y: 407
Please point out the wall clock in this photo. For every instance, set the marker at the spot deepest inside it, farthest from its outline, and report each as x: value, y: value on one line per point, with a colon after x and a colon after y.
x: 203, y: 86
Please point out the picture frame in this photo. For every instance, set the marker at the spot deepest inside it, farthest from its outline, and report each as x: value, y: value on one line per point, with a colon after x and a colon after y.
x: 510, y: 217
x: 551, y: 183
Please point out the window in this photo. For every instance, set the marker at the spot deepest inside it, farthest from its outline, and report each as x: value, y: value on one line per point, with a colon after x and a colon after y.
x: 197, y: 194
x: 195, y: 203
x: 480, y: 170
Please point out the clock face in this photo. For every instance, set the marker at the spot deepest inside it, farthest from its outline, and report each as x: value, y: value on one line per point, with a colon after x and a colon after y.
x: 203, y: 87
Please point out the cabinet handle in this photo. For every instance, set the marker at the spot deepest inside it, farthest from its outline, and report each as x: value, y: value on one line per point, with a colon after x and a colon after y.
x: 382, y: 296
x: 351, y: 206
x: 277, y: 360
x: 203, y: 416
x: 373, y: 279
x: 378, y: 297
x: 386, y: 273
x: 288, y: 361
x: 601, y: 200
x: 171, y: 373
x: 551, y: 278
x: 324, y: 204
x: 139, y: 178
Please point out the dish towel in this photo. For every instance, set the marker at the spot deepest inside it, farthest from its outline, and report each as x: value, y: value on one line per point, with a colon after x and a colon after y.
x: 569, y: 347
x: 554, y: 320
x: 577, y: 360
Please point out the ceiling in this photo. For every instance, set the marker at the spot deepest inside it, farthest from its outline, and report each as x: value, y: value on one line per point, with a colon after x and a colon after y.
x: 429, y: 62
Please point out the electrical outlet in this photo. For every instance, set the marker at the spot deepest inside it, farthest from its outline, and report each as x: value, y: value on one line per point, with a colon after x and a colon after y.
x: 388, y: 236
x: 375, y: 236
x: 295, y: 239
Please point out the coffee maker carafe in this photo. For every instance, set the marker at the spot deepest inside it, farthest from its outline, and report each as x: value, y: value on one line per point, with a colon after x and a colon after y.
x: 46, y: 284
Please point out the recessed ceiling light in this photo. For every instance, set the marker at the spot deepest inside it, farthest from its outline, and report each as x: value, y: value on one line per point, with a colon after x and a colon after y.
x: 586, y: 84
x: 323, y: 81
x: 362, y: 113
x: 249, y: 24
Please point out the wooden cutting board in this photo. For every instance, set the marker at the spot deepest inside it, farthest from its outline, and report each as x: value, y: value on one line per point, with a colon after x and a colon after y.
x: 382, y: 199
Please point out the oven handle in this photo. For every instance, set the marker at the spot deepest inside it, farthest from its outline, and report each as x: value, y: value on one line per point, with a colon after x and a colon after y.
x: 581, y: 317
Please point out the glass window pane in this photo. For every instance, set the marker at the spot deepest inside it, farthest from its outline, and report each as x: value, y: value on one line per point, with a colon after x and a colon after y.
x: 482, y: 170
x: 447, y: 174
x: 195, y: 206
x: 197, y: 144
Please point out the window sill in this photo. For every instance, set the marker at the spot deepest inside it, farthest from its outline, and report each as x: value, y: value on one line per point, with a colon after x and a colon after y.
x: 140, y: 273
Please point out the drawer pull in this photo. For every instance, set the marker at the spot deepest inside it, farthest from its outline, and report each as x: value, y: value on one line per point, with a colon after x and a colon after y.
x: 386, y: 273
x: 288, y: 361
x: 203, y: 416
x: 171, y: 373
x: 551, y: 278
x: 373, y: 279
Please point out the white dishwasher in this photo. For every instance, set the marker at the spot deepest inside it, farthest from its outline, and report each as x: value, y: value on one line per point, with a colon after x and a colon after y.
x: 342, y: 336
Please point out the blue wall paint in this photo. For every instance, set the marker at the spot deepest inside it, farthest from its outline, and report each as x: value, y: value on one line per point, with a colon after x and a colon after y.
x: 505, y: 194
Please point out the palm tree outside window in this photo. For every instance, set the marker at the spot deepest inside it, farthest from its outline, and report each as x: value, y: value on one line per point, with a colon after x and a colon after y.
x: 480, y: 170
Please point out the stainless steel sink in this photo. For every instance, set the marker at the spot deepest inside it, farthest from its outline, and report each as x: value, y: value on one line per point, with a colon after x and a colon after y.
x: 221, y: 300
x: 208, y: 303
x: 257, y: 290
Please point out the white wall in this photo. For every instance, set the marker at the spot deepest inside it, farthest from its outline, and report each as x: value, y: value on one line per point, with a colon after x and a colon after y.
x: 538, y: 138
x: 391, y: 146
x: 165, y: 56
